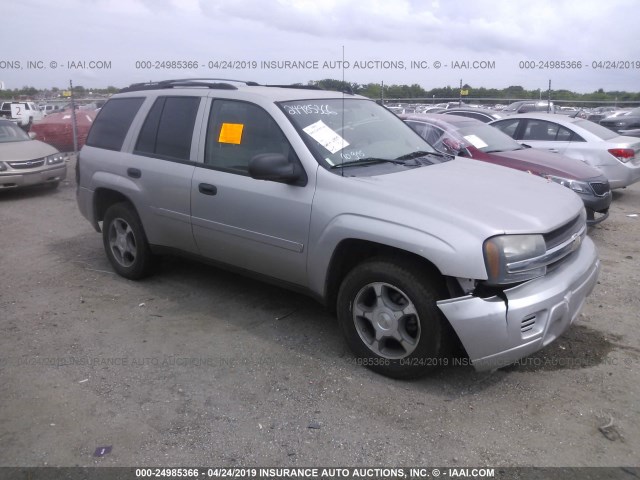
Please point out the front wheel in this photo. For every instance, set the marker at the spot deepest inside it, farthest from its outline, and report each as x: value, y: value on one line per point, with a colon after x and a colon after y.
x: 125, y: 242
x: 388, y: 314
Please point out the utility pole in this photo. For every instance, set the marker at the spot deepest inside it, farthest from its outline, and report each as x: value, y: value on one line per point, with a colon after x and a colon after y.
x: 74, y: 125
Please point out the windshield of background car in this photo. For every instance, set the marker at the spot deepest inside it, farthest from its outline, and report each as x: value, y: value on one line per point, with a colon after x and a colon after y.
x: 339, y: 131
x: 598, y: 130
x: 12, y: 133
x: 512, y: 107
x: 488, y: 139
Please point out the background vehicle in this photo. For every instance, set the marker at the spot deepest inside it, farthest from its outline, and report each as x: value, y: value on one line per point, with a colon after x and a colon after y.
x: 525, y: 106
x: 24, y: 161
x: 333, y: 195
x: 483, y: 114
x: 471, y: 138
x: 21, y: 113
x: 617, y: 157
x: 56, y: 129
x: 628, y: 124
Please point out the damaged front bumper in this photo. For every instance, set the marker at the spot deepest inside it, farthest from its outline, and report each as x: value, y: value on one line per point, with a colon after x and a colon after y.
x: 496, y: 333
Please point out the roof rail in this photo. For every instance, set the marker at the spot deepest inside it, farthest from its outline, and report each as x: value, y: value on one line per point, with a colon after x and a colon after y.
x: 217, y: 83
x: 303, y: 87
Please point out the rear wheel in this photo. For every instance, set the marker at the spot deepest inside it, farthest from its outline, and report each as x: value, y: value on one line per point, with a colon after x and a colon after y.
x: 125, y: 242
x: 387, y: 311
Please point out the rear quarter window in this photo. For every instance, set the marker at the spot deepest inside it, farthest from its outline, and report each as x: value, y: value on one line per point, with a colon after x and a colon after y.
x: 110, y: 127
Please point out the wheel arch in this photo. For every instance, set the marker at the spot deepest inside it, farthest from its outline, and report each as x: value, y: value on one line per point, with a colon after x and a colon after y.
x: 104, y: 198
x: 351, y: 252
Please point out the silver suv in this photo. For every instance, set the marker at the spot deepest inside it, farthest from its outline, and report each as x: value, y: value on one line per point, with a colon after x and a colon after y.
x: 333, y: 195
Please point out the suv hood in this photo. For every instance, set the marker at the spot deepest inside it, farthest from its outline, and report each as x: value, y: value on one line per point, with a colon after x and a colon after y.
x: 474, y: 196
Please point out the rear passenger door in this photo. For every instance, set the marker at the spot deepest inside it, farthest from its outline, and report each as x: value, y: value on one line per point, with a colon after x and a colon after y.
x: 162, y: 165
x: 257, y: 225
x: 548, y: 135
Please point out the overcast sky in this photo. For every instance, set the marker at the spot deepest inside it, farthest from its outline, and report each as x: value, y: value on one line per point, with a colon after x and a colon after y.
x: 381, y: 39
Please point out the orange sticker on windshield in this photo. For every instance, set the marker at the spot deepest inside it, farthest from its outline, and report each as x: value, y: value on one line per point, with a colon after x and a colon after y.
x: 231, y: 133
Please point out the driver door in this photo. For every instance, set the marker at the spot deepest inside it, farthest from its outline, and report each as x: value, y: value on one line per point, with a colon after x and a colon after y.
x: 257, y: 225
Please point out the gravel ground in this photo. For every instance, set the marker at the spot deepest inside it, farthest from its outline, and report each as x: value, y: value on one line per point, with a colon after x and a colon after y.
x: 197, y: 366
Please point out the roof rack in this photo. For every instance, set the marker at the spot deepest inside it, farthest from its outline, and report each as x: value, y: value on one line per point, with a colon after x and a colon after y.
x: 303, y: 87
x: 216, y: 83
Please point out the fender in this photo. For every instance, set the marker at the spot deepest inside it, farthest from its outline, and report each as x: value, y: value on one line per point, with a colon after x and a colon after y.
x: 444, y: 255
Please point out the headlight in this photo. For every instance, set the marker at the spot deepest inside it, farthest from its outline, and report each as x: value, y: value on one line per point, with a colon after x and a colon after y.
x: 3, y: 167
x: 56, y: 158
x: 511, y: 258
x: 575, y: 185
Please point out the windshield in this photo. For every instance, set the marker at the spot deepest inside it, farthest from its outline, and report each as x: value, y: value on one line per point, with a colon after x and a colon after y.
x: 598, y: 130
x: 9, y: 132
x: 341, y: 131
x: 488, y: 139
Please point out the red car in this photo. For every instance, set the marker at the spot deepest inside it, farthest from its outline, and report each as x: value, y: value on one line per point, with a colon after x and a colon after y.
x: 56, y: 129
x: 466, y: 137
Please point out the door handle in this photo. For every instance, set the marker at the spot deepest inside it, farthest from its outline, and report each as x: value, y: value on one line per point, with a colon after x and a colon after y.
x: 134, y: 172
x: 554, y: 150
x: 207, y: 189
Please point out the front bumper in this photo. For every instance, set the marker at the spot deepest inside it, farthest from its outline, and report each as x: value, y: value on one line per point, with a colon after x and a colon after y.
x: 496, y: 333
x: 596, y: 204
x: 13, y: 179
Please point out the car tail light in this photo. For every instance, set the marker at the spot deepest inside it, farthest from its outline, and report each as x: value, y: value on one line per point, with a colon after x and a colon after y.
x: 623, y: 154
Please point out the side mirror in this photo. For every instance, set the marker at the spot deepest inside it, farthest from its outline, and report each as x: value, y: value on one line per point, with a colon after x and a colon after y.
x: 274, y: 167
x: 449, y: 145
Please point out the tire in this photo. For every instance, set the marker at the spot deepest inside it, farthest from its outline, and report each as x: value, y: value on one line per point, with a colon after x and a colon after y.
x: 125, y: 242
x: 387, y: 311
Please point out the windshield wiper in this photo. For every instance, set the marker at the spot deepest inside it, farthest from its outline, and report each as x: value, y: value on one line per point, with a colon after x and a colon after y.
x: 422, y: 153
x: 366, y: 161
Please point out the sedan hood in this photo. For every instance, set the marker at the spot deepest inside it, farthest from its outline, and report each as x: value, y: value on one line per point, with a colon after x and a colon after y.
x: 26, y: 150
x: 541, y: 162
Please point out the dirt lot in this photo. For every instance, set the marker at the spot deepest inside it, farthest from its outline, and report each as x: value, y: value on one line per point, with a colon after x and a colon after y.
x: 197, y: 366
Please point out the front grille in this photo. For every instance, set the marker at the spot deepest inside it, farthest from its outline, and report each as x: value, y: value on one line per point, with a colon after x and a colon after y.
x: 562, y: 234
x: 600, y: 188
x: 27, y: 164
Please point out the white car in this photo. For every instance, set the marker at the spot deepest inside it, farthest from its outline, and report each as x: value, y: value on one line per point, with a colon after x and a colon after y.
x: 617, y: 157
x: 21, y: 113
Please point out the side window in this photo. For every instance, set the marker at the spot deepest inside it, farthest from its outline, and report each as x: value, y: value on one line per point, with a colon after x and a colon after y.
x: 430, y: 133
x: 110, y: 127
x: 168, y: 128
x: 566, y: 135
x: 238, y: 131
x: 548, y: 131
x: 417, y: 127
x: 507, y: 126
x: 540, y: 130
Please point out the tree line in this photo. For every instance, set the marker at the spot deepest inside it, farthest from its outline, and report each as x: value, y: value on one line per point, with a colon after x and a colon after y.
x: 388, y: 92
x: 375, y: 90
